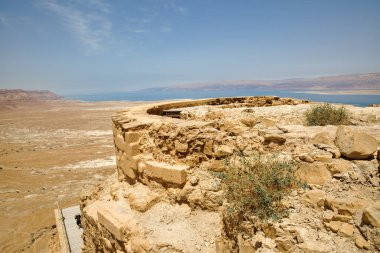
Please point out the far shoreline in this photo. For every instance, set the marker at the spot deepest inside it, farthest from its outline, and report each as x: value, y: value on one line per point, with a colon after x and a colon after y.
x: 341, y: 92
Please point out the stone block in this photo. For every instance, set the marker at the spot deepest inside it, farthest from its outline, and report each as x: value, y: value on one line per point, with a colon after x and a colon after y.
x: 129, y: 165
x: 132, y: 162
x: 133, y: 149
x: 175, y: 174
x: 117, y: 218
x: 134, y: 126
x: 132, y: 136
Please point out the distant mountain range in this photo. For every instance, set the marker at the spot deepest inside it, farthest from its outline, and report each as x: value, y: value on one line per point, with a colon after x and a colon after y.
x: 332, y: 84
x: 27, y: 95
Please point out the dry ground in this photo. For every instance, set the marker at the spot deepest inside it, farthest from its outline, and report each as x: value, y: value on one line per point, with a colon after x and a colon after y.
x: 49, y: 153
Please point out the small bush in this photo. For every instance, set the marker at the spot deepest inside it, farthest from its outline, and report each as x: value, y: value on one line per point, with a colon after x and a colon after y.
x: 255, y: 186
x: 326, y: 114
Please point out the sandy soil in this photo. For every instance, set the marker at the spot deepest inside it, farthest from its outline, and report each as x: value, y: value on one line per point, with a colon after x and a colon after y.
x: 49, y: 153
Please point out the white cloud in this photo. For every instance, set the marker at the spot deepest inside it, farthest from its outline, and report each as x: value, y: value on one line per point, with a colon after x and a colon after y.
x: 92, y: 27
x: 3, y: 20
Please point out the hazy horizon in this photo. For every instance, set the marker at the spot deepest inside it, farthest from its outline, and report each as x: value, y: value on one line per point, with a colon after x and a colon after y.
x: 97, y: 46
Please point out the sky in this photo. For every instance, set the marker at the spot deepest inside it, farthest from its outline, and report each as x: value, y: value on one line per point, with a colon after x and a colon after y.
x: 92, y: 46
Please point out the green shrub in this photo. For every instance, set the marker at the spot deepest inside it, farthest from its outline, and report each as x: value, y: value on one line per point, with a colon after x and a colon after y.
x: 255, y: 186
x: 326, y: 114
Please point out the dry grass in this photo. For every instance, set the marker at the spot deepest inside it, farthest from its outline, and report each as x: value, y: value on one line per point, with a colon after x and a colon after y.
x: 255, y: 186
x: 326, y: 114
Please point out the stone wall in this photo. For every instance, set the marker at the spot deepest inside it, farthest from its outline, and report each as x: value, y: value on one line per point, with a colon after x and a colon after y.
x: 165, y: 149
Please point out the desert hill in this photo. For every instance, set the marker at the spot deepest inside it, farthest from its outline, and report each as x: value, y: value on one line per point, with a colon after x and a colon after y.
x: 17, y: 98
x: 27, y: 95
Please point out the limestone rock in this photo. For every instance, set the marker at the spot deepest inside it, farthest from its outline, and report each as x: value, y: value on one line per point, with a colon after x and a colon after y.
x: 368, y: 168
x: 322, y: 156
x: 334, y: 225
x: 265, y: 123
x: 329, y: 148
x: 314, y: 173
x: 375, y: 237
x: 314, y: 247
x: 345, y: 206
x: 342, y: 218
x: 322, y: 137
x: 181, y: 147
x: 371, y: 215
x: 306, y: 158
x: 361, y: 243
x: 327, y: 215
x: 216, y: 165
x: 194, y: 180
x: 249, y: 121
x: 208, y: 147
x: 274, y: 138
x: 141, y: 198
x: 284, y: 244
x: 339, y: 166
x: 315, y: 197
x: 346, y: 230
x: 223, y: 150
x: 354, y: 144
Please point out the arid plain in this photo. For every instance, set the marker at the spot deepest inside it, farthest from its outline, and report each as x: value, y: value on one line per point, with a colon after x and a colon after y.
x: 49, y: 152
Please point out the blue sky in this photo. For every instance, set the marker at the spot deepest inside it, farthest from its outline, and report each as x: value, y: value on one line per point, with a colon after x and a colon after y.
x: 87, y: 46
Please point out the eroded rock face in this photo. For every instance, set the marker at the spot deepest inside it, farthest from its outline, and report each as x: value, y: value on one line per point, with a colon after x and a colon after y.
x: 355, y: 144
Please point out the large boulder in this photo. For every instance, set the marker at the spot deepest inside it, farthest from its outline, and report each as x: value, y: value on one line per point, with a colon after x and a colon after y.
x: 371, y: 215
x: 355, y: 144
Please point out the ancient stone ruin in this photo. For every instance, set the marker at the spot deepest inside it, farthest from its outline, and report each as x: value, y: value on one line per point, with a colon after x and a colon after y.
x: 165, y: 196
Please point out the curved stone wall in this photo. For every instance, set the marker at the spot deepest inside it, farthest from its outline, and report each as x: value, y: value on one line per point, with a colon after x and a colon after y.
x: 165, y: 150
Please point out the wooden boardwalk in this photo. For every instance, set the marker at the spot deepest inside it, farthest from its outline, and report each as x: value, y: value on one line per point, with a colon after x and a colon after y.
x: 70, y: 234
